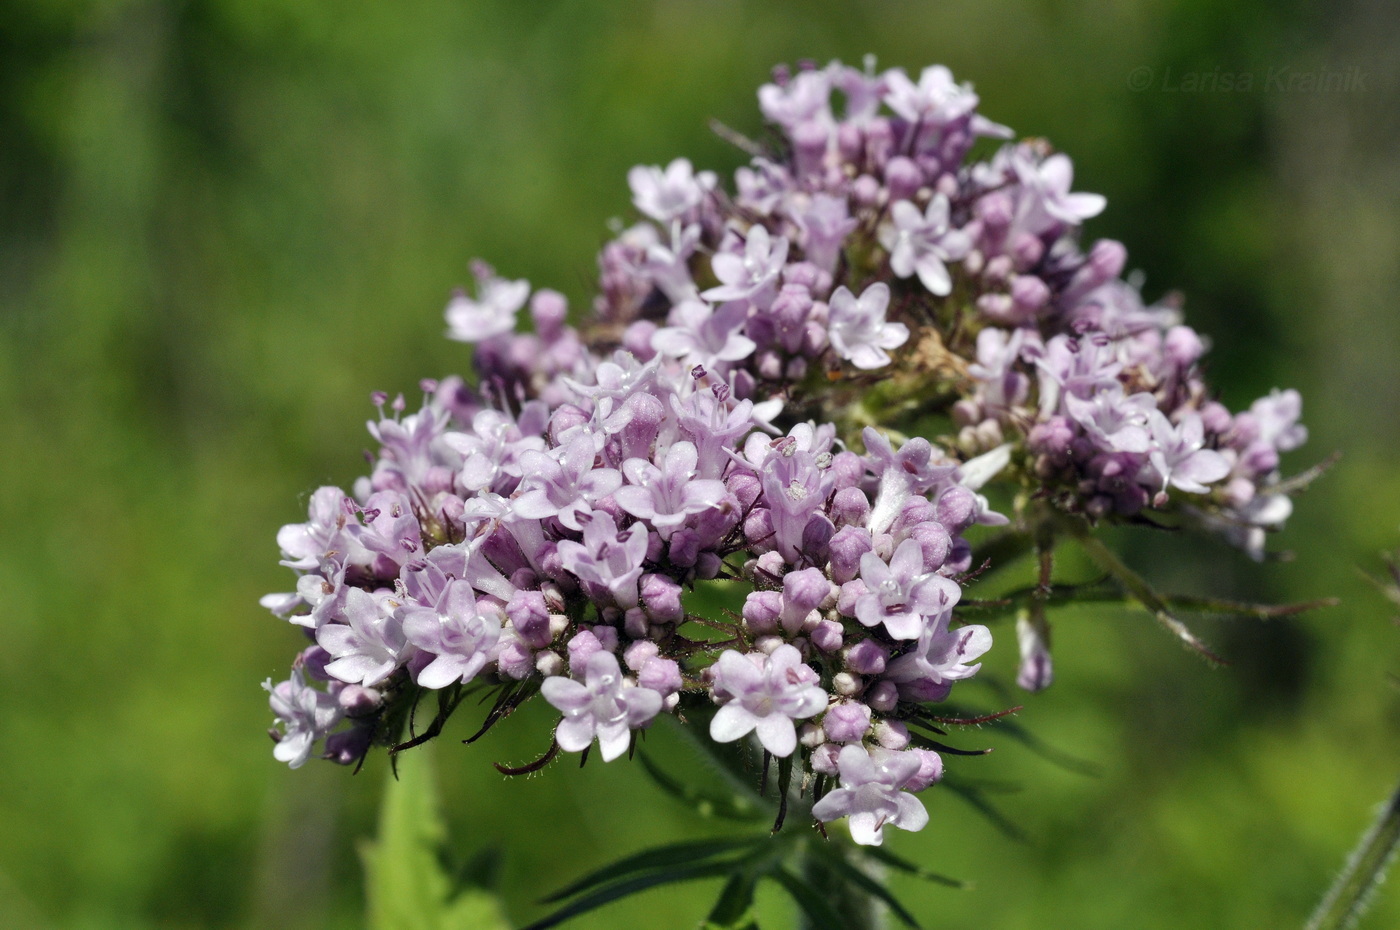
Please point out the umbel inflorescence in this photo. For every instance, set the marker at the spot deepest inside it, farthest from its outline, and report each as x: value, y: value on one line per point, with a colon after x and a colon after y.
x: 748, y: 402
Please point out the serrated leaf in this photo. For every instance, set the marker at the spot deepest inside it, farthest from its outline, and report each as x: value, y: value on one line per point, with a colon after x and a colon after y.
x: 406, y: 885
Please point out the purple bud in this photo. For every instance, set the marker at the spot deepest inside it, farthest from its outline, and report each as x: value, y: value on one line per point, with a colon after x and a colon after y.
x: 850, y: 507
x: 661, y: 675
x: 637, y: 654
x: 892, y: 734
x: 828, y: 636
x: 809, y: 143
x: 684, y: 547
x: 959, y: 559
x: 348, y: 746
x: 916, y: 510
x: 1027, y: 250
x: 565, y: 418
x: 957, y: 508
x: 758, y: 529
x: 846, y: 723
x: 847, y: 470
x: 867, y: 657
x: 803, y: 592
x: 1184, y: 346
x: 647, y: 415
x: 1029, y: 292
x: 816, y: 538
x: 1052, y: 438
x: 745, y: 487
x: 865, y: 191
x: 548, y: 309
x: 357, y: 701
x: 762, y: 610
x: 708, y: 565
x: 846, y: 549
x: 313, y: 659
x: 661, y: 596
x: 824, y: 759
x: 850, y: 142
x: 514, y: 659
x: 930, y: 770
x: 935, y: 542
x: 636, y: 338
x: 995, y: 210
x: 851, y: 592
x: 903, y: 178
x: 529, y: 615
x: 1215, y: 417
x: 882, y: 696
x: 582, y: 647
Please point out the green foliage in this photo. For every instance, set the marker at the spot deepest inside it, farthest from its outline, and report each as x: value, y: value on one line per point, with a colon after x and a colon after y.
x: 224, y: 222
x: 409, y: 885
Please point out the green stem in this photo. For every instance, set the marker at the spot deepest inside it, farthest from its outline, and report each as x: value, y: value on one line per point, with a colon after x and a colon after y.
x: 1350, y: 894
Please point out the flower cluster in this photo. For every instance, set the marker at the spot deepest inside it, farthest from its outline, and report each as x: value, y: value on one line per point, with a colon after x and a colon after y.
x: 543, y: 530
x: 875, y: 231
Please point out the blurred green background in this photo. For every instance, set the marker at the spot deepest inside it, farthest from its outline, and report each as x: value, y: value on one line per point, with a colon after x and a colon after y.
x: 224, y: 222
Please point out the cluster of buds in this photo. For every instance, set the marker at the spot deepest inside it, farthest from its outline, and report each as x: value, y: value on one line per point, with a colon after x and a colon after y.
x: 547, y: 530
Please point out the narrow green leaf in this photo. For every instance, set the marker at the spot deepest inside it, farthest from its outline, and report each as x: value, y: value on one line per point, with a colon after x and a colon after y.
x: 813, y: 904
x: 613, y: 892
x: 734, y: 909
x: 910, y: 868
x: 693, y: 852
x: 743, y: 806
x: 1142, y: 591
x: 974, y: 796
x: 836, y: 858
x: 406, y: 885
x: 1212, y: 605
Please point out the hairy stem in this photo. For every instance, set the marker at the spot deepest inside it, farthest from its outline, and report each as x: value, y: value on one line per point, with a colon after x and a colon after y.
x: 1350, y: 894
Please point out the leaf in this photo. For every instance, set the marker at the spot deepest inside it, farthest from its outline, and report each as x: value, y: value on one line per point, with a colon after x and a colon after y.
x: 811, y: 901
x: 853, y: 874
x: 655, y: 858
x: 1140, y: 590
x: 1211, y: 605
x: 617, y: 890
x: 975, y: 796
x: 707, y: 802
x: 405, y: 883
x: 909, y: 868
x: 734, y: 909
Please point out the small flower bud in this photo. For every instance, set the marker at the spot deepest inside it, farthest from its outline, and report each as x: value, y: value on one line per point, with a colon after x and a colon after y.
x: 844, y: 683
x: 549, y: 663
x: 847, y: 723
x: 882, y: 696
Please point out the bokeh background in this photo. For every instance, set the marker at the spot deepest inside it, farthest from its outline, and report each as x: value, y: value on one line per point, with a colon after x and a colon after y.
x: 224, y: 222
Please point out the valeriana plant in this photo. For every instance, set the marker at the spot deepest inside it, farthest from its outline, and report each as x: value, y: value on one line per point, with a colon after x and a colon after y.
x: 798, y: 387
